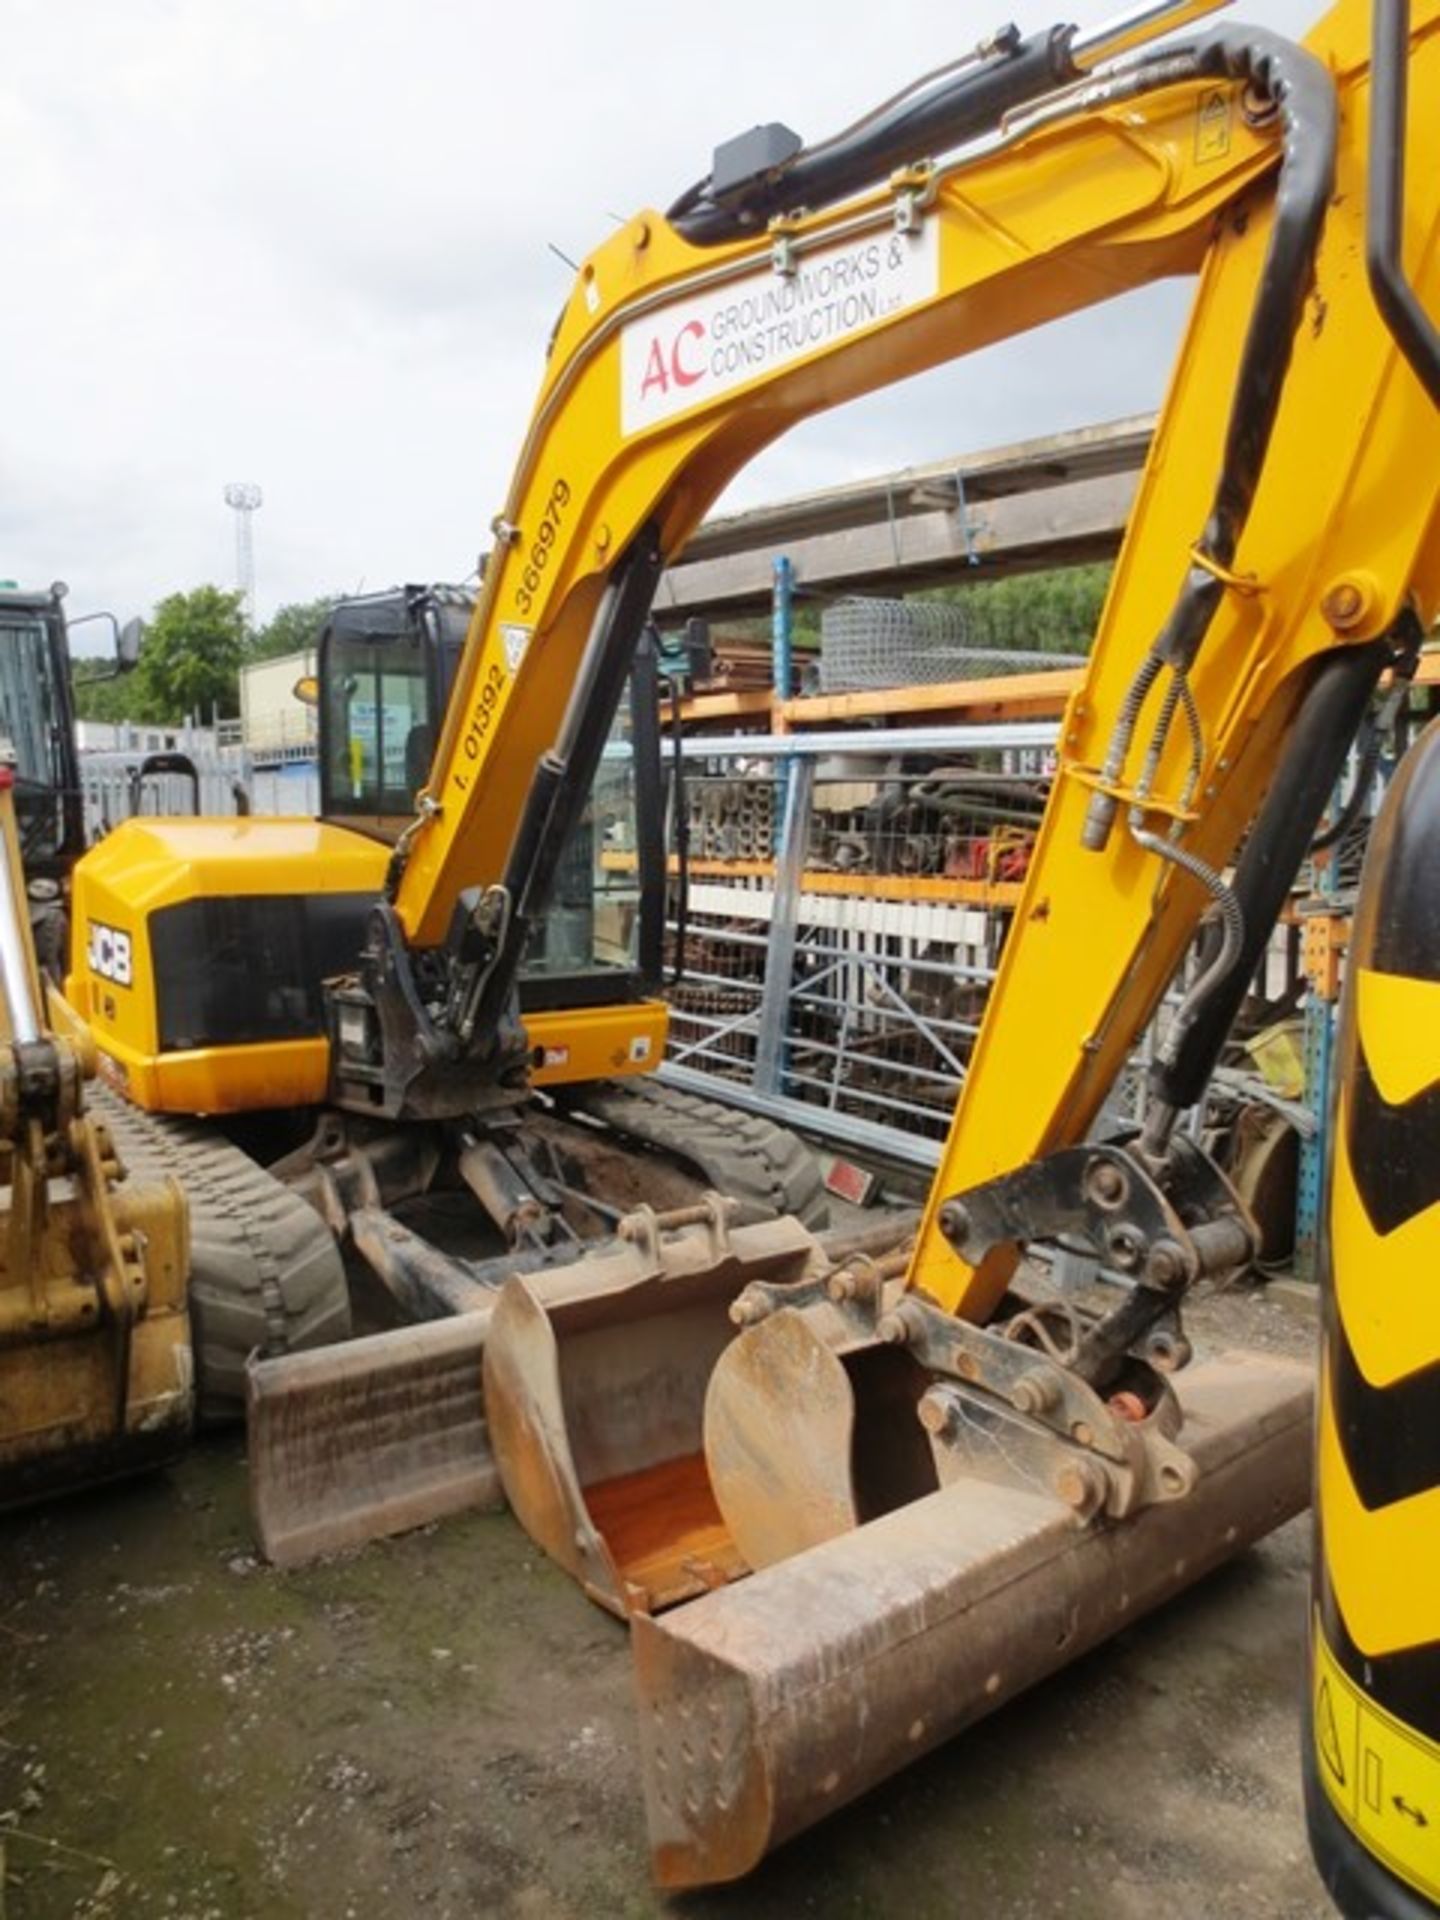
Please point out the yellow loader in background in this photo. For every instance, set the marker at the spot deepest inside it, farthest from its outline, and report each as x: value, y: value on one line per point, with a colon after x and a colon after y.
x: 96, y: 1370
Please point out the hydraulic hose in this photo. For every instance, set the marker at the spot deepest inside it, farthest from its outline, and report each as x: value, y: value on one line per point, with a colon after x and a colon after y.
x: 1303, y: 94
x: 925, y: 119
x: 1329, y: 716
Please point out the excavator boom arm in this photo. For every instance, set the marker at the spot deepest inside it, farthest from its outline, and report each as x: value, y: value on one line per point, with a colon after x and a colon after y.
x: 1241, y: 158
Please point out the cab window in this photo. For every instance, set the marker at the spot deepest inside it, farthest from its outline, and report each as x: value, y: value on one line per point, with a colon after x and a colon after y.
x: 378, y: 727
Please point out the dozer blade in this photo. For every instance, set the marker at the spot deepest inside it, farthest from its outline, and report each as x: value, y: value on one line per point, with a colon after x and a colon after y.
x: 771, y: 1703
x: 372, y: 1437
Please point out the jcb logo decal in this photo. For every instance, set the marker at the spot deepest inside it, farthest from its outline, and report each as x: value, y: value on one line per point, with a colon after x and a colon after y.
x: 109, y: 954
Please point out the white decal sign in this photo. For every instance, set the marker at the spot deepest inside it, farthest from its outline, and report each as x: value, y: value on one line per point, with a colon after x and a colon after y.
x: 514, y: 640
x: 697, y: 349
x: 108, y: 951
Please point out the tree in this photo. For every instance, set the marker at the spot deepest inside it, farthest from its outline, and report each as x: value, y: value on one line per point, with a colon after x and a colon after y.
x: 103, y: 694
x: 190, y: 662
x: 291, y: 628
x: 1053, y: 611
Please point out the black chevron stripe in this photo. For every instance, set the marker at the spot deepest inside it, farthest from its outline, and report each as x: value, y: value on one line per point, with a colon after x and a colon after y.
x: 1390, y: 1436
x: 1405, y: 1683
x: 1394, y: 1151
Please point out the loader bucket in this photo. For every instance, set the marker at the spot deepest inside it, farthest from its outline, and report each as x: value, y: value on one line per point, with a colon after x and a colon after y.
x: 769, y: 1704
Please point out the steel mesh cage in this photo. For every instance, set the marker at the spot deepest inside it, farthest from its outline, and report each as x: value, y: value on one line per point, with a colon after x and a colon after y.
x: 890, y: 643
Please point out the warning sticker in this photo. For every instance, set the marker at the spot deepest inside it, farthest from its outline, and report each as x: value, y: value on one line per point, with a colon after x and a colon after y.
x: 1212, y: 125
x: 1382, y: 1778
x: 515, y: 640
x: 699, y: 348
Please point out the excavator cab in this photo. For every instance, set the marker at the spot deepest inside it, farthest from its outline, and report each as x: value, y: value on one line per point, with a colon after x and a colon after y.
x: 37, y: 717
x: 386, y: 664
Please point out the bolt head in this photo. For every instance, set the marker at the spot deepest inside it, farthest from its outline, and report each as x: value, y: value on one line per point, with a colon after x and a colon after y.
x: 1082, y: 1485
x: 937, y: 1416
x: 955, y: 1222
x: 1166, y: 1265
x: 1107, y: 1182
x: 1034, y: 1393
x: 1345, y: 604
x: 1127, y: 1248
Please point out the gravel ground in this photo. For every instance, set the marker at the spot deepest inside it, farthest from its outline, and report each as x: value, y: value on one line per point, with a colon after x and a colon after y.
x: 441, y: 1725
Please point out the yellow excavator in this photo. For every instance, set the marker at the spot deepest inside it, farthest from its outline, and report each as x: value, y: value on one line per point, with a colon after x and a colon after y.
x: 851, y: 1501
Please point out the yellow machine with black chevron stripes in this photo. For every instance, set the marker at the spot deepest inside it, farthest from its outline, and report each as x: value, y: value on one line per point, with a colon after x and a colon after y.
x: 1373, y: 1752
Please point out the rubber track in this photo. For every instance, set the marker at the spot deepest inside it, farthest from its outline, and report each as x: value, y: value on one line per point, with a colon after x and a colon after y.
x: 265, y: 1273
x: 768, y: 1169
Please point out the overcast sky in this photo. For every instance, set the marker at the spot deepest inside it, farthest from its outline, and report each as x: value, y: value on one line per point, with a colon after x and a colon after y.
x: 306, y: 243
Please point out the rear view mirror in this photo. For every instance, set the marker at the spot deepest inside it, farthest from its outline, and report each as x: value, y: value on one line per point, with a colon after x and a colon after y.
x: 128, y: 641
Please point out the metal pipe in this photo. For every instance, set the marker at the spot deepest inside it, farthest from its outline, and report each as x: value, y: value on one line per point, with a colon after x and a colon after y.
x: 16, y: 979
x: 1136, y: 26
x: 789, y: 746
x: 840, y: 1129
x: 784, y: 928
x: 1415, y: 332
x: 782, y: 626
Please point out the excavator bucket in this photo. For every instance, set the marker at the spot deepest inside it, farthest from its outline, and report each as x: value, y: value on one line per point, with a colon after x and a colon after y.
x: 818, y: 1593
x: 770, y: 1704
x: 96, y: 1362
x: 374, y: 1436
x: 595, y: 1379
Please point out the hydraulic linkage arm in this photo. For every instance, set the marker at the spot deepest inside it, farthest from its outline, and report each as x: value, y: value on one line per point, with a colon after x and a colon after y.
x: 1264, y: 541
